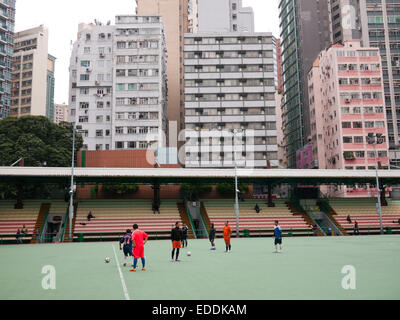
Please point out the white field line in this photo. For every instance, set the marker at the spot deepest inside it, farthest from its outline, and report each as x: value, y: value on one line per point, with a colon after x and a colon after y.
x: 121, y: 277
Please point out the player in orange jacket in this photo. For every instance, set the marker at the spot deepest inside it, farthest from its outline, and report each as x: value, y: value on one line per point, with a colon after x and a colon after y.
x: 227, y: 236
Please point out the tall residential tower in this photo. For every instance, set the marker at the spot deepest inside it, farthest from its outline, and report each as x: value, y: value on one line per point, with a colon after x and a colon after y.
x: 118, y: 84
x: 7, y: 19
x: 305, y: 32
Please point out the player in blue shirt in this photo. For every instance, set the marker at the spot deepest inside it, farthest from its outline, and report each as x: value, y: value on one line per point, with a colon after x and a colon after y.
x: 278, y: 236
x: 127, y: 241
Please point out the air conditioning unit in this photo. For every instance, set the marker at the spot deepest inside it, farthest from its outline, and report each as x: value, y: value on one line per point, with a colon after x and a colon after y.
x: 97, y: 83
x: 102, y: 55
x: 88, y: 70
x: 347, y: 100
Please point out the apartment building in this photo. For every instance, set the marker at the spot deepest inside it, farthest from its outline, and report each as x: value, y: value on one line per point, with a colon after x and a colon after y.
x: 175, y: 16
x: 376, y: 23
x: 33, y: 74
x: 230, y: 86
x: 118, y: 90
x: 224, y: 16
x: 7, y: 20
x: 305, y: 32
x: 346, y: 94
x: 60, y: 113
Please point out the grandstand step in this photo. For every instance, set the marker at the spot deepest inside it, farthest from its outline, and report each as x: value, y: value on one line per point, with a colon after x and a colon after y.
x: 44, y: 209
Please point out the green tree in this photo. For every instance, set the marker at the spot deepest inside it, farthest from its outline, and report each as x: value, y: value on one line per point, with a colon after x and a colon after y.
x: 41, y: 143
x: 228, y: 189
x: 193, y: 191
x: 120, y: 189
x: 38, y: 141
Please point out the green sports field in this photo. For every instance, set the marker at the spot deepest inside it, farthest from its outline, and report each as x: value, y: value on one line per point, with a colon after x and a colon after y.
x: 308, y: 268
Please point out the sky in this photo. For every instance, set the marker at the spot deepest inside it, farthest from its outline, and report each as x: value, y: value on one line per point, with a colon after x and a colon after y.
x: 62, y: 19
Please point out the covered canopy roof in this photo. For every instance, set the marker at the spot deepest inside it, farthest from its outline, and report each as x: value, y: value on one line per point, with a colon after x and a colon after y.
x: 180, y: 175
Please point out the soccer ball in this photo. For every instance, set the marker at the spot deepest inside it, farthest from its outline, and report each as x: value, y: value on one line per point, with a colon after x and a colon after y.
x: 189, y: 253
x: 107, y: 260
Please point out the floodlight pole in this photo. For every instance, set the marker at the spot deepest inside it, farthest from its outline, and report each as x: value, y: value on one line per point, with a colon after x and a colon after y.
x: 236, y: 188
x: 379, y: 208
x: 71, y: 190
x: 373, y: 139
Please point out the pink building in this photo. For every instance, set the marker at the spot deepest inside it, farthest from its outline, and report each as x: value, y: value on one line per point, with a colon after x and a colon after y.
x: 346, y: 104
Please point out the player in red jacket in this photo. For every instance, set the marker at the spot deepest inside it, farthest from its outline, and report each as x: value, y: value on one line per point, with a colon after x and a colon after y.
x: 139, y: 239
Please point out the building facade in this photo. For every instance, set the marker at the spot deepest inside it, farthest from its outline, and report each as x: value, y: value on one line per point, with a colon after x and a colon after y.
x: 230, y: 85
x: 346, y: 93
x: 118, y: 90
x: 377, y: 24
x: 305, y: 33
x: 224, y: 16
x: 33, y: 74
x: 175, y: 15
x: 60, y: 113
x: 7, y: 20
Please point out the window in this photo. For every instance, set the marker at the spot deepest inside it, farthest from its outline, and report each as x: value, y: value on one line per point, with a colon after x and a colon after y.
x: 119, y: 144
x: 121, y: 45
x: 99, y: 133
x: 357, y: 125
x: 86, y: 50
x: 345, y: 110
x: 358, y: 140
x: 379, y: 124
x: 132, y: 86
x: 346, y: 125
x: 85, y: 63
x: 120, y: 86
x: 369, y: 124
x: 368, y: 110
x: 84, y: 77
x: 347, y: 140
x: 119, y: 130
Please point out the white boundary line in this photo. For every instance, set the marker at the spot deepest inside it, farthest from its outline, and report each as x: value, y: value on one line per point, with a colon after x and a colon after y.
x: 121, y: 277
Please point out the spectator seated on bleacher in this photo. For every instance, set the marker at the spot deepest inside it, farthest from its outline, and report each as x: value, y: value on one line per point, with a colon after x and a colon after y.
x: 257, y: 208
x: 348, y: 219
x: 24, y: 230
x: 397, y: 221
x: 18, y: 236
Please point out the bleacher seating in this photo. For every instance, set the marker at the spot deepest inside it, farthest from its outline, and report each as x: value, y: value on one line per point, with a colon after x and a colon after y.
x: 220, y: 211
x: 363, y: 210
x: 113, y: 217
x: 13, y: 219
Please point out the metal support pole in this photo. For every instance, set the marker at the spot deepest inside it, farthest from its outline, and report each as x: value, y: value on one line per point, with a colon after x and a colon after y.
x: 379, y: 207
x: 71, y: 191
x: 236, y: 189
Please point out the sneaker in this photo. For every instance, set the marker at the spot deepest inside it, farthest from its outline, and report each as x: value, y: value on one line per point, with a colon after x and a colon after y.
x: 172, y: 260
x: 143, y: 269
x: 177, y: 260
x: 133, y: 270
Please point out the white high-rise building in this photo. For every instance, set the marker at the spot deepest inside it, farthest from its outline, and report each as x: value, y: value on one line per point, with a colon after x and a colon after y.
x: 230, y: 85
x: 118, y: 88
x: 224, y: 16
